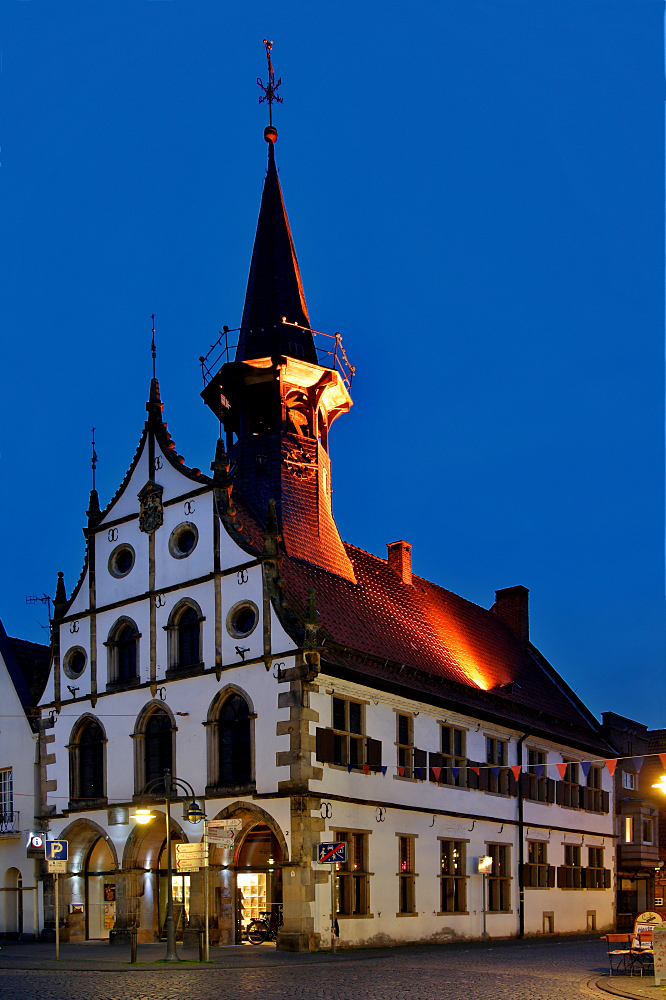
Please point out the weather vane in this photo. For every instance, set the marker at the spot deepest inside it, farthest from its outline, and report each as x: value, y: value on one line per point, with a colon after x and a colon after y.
x: 270, y: 90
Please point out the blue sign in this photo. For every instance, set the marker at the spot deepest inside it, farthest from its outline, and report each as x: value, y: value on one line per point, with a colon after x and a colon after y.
x: 56, y: 850
x: 332, y: 853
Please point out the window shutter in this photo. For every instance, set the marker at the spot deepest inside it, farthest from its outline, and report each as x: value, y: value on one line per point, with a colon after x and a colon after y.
x: 483, y: 778
x: 526, y: 785
x: 584, y: 879
x: 420, y: 758
x: 551, y: 876
x: 325, y: 746
x: 436, y: 760
x: 577, y: 878
x: 561, y: 877
x: 512, y: 784
x: 605, y: 802
x: 472, y: 776
x: 560, y: 790
x: 527, y: 874
x: 607, y: 878
x: 374, y: 753
x: 550, y: 790
x: 582, y: 796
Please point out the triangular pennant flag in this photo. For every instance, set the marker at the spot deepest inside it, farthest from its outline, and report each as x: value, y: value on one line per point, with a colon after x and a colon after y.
x: 496, y: 771
x: 562, y: 768
x: 638, y: 763
x: 662, y: 758
x: 477, y: 770
x: 401, y: 771
x: 455, y: 771
x: 516, y: 771
x: 349, y: 768
x: 611, y: 765
x: 585, y: 766
x: 539, y: 769
x: 437, y: 772
x: 366, y: 769
x: 383, y: 769
x: 420, y: 773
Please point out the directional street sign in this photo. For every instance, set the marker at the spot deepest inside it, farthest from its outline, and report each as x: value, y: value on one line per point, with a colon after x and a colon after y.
x: 223, y: 831
x: 56, y: 850
x: 225, y: 824
x: 332, y: 853
x: 190, y: 857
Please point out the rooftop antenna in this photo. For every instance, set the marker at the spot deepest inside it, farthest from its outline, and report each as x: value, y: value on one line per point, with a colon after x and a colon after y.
x: 270, y: 90
x: 153, y: 348
x: 94, y: 459
x: 44, y: 599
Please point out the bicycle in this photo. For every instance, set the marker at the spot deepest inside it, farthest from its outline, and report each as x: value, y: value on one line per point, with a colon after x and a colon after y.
x: 265, y: 928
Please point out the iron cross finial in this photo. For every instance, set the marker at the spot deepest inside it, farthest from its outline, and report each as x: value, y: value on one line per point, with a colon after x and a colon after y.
x: 94, y: 458
x: 153, y: 348
x: 270, y: 89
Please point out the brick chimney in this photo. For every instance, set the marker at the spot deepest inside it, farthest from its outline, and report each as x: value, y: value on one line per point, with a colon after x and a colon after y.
x: 400, y: 560
x: 512, y: 606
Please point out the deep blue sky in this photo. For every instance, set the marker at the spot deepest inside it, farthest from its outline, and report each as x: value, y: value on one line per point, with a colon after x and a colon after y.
x: 476, y: 195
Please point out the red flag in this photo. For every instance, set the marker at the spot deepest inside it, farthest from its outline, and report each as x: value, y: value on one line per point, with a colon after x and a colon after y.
x: 611, y: 765
x: 477, y: 769
x: 562, y: 768
x: 401, y: 771
x: 366, y: 769
x: 437, y: 771
x: 516, y: 771
x: 662, y: 758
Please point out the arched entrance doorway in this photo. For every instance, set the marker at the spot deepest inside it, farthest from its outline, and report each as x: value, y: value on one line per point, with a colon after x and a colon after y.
x: 246, y: 880
x: 87, y: 890
x: 13, y: 916
x: 145, y: 857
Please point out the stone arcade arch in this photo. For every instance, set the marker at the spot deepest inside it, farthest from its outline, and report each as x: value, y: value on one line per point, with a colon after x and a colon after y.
x: 144, y: 879
x: 86, y: 906
x: 258, y: 840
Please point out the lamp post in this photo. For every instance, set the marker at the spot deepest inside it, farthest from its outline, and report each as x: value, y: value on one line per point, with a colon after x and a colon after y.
x: 166, y: 786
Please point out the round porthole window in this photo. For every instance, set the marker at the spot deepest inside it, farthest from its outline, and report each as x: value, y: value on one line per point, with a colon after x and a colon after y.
x: 183, y: 540
x: 121, y: 560
x: 242, y: 619
x: 75, y: 662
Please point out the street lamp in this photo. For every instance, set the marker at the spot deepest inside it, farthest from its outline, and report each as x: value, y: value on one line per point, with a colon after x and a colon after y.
x: 661, y: 784
x: 165, y: 787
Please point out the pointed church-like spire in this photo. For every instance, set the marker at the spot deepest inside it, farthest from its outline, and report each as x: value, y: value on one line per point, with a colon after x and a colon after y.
x: 274, y: 288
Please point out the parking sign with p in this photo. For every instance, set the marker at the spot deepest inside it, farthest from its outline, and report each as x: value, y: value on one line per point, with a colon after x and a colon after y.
x: 56, y: 850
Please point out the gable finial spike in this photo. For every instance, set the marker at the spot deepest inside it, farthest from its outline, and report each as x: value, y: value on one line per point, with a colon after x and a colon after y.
x: 270, y: 90
x: 94, y: 460
x: 154, y: 349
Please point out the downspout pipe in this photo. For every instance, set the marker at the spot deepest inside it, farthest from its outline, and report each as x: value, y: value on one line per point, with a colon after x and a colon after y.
x: 521, y: 841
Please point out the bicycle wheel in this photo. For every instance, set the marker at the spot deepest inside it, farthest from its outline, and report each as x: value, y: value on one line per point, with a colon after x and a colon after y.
x: 257, y: 932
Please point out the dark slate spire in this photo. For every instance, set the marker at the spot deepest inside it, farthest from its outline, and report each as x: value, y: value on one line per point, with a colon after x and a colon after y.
x: 274, y: 288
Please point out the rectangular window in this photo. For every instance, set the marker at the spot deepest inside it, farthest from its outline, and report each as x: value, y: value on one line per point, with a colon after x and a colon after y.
x: 595, y: 868
x: 628, y: 780
x: 648, y: 831
x: 497, y: 756
x: 568, y: 789
x: 348, y: 742
x: 571, y: 875
x: 499, y: 882
x: 352, y: 877
x: 407, y: 891
x: 628, y: 829
x: 453, y: 879
x: 405, y: 745
x: 453, y: 754
x: 536, y: 870
x: 594, y: 796
x: 6, y: 796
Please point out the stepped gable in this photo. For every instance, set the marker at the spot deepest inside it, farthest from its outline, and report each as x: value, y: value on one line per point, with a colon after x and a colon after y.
x: 428, y: 638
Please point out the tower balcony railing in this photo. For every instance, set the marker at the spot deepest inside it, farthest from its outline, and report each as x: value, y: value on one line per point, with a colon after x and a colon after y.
x: 9, y: 824
x: 329, y: 355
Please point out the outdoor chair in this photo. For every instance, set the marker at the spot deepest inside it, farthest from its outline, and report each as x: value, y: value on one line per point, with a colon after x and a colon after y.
x: 616, y: 952
x: 642, y: 952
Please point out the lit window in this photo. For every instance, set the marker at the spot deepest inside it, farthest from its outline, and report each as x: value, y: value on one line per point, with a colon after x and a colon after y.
x: 628, y: 829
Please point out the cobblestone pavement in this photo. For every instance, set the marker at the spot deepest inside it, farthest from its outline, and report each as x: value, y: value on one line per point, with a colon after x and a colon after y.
x: 550, y: 970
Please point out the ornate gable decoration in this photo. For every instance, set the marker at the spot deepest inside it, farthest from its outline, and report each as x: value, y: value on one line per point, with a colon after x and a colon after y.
x: 151, y: 514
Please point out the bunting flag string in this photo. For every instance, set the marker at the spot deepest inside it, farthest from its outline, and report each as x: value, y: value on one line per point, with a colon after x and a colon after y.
x: 538, y: 770
x: 611, y: 765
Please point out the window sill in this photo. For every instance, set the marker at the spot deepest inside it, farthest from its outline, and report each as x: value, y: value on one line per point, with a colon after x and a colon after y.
x: 413, y: 914
x: 453, y: 913
x: 174, y: 673
x: 355, y: 916
x: 224, y: 791
x: 402, y: 777
x: 542, y: 887
x: 123, y: 685
x: 81, y: 805
x: 500, y: 912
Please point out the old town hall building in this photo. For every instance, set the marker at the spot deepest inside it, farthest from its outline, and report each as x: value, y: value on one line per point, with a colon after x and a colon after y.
x: 312, y: 691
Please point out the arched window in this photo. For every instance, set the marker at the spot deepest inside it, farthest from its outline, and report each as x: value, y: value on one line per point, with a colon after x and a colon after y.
x: 123, y: 647
x: 188, y: 638
x: 87, y: 761
x: 158, y: 746
x: 234, y: 742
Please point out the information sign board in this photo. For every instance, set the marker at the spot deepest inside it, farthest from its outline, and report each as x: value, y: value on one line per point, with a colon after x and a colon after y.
x: 659, y: 946
x: 485, y: 865
x: 57, y: 867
